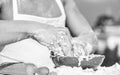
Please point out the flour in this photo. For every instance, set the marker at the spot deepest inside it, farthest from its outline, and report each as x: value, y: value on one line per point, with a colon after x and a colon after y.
x: 64, y: 70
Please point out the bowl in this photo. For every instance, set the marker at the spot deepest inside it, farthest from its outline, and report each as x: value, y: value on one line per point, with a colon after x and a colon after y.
x: 91, y: 61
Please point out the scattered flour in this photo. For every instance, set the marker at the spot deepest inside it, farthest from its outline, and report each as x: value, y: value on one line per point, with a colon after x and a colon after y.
x: 112, y: 70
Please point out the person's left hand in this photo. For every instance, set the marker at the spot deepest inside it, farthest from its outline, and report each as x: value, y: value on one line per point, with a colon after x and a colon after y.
x: 80, y: 47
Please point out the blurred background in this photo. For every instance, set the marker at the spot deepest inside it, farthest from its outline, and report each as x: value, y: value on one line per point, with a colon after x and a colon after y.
x: 104, y: 17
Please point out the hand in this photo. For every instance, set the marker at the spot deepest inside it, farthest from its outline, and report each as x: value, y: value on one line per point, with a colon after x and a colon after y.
x: 81, y: 48
x: 54, y: 38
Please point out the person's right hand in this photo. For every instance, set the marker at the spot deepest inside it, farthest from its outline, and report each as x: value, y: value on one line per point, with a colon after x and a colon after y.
x: 55, y: 37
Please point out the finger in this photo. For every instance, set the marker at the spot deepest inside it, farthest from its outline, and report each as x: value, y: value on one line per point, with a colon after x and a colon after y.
x: 66, y: 31
x: 40, y: 40
x: 52, y: 73
x: 68, y: 37
x: 30, y: 68
x: 88, y: 48
x: 42, y: 71
x: 65, y: 44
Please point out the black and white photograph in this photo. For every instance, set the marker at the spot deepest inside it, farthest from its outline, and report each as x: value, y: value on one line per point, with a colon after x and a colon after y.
x: 59, y: 37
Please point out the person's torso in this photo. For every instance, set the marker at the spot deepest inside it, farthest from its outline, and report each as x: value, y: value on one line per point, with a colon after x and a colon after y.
x: 44, y: 11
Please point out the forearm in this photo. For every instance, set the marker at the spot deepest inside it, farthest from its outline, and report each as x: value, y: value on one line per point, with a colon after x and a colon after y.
x: 78, y: 24
x: 13, y: 31
x: 75, y: 21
